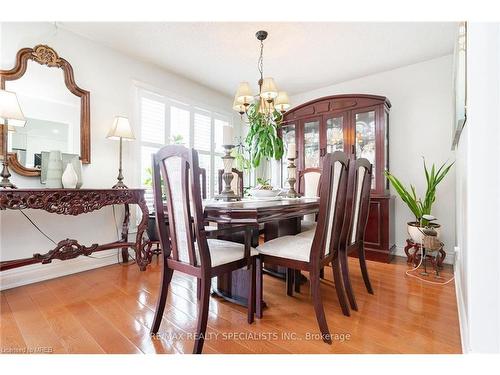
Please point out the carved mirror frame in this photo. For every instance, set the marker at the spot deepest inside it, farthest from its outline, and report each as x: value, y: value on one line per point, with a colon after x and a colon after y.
x: 45, y: 55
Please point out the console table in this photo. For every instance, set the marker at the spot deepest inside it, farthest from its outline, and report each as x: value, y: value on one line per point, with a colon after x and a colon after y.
x: 75, y: 202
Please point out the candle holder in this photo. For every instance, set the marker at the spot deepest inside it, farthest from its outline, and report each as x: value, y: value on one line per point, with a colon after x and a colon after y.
x: 292, y: 170
x: 227, y: 194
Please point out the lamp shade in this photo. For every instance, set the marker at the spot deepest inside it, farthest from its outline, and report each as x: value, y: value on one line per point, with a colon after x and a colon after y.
x: 268, y: 91
x: 244, y: 93
x: 282, y: 102
x: 10, y: 110
x: 238, y: 107
x: 121, y: 129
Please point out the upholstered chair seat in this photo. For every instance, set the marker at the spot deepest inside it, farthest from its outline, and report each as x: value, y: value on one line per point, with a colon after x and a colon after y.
x: 289, y: 247
x: 223, y: 252
x: 308, y: 234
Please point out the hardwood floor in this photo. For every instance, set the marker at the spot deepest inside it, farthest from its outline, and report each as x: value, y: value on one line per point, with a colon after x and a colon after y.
x: 110, y: 310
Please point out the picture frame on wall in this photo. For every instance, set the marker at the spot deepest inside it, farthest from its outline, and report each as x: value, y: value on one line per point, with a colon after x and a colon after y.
x: 460, y: 83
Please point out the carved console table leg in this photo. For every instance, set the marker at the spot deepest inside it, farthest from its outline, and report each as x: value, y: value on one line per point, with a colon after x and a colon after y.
x: 125, y: 226
x: 142, y: 256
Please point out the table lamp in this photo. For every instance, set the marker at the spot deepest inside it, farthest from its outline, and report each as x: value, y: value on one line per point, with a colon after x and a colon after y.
x: 121, y: 130
x: 10, y: 116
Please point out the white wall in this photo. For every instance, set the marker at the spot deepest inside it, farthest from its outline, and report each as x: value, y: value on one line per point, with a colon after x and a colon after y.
x: 109, y: 76
x: 478, y: 201
x: 420, y: 125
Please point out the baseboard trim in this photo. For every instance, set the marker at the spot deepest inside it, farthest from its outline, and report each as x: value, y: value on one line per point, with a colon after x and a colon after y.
x: 39, y: 272
x: 462, y: 312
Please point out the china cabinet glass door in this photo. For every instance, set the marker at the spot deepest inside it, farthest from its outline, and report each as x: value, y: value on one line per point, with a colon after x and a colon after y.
x: 365, y: 141
x: 311, y: 130
x: 337, y: 133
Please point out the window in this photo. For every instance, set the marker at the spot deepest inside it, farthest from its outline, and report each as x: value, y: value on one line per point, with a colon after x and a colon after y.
x: 167, y: 121
x: 179, y: 125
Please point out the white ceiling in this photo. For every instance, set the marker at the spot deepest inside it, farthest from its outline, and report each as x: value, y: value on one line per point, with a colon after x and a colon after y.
x: 300, y: 56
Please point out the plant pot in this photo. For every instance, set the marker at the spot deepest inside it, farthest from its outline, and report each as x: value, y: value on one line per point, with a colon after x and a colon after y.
x: 413, y: 228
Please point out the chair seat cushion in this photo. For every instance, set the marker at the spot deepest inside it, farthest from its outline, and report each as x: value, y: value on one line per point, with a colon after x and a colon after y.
x: 309, y: 234
x: 223, y: 252
x: 289, y: 247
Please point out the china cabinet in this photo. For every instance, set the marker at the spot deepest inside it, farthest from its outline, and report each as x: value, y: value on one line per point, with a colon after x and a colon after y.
x: 358, y: 125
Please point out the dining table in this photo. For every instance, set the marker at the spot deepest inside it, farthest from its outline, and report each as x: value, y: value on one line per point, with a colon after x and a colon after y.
x: 271, y: 217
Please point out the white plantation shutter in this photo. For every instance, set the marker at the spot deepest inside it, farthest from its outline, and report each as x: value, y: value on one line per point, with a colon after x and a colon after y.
x: 153, y: 133
x: 202, y: 132
x: 162, y: 118
x: 179, y: 124
x: 146, y: 173
x: 152, y: 120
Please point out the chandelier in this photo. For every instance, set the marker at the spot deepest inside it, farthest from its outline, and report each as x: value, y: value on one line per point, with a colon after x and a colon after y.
x: 269, y: 99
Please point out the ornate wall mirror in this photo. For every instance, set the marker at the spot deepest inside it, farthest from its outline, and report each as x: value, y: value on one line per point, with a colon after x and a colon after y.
x: 56, y: 109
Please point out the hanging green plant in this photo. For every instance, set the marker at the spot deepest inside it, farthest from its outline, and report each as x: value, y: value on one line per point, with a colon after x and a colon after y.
x: 262, y: 139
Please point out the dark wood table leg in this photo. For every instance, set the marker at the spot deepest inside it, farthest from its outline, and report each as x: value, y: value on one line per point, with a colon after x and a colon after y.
x: 234, y: 286
x: 125, y: 226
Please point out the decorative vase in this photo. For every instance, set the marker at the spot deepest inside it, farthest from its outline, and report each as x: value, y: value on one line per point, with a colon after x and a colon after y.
x: 413, y: 228
x: 77, y: 166
x: 69, y: 178
x: 54, y: 170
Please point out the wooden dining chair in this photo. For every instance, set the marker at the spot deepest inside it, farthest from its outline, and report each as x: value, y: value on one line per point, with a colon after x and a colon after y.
x: 184, y: 241
x: 356, y: 218
x: 309, y: 182
x: 303, y: 254
x: 236, y: 182
x: 203, y: 183
x: 153, y: 239
x: 309, y: 187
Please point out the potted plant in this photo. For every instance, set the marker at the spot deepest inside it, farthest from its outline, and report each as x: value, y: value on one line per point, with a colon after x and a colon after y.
x: 263, y: 140
x: 418, y: 206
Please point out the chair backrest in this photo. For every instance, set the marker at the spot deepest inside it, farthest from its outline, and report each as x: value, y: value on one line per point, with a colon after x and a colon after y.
x: 203, y: 182
x: 309, y: 182
x: 332, y: 206
x: 236, y: 182
x: 179, y: 168
x: 358, y: 200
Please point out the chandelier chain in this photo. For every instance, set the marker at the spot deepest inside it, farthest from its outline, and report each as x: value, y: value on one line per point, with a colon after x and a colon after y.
x: 260, y: 64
